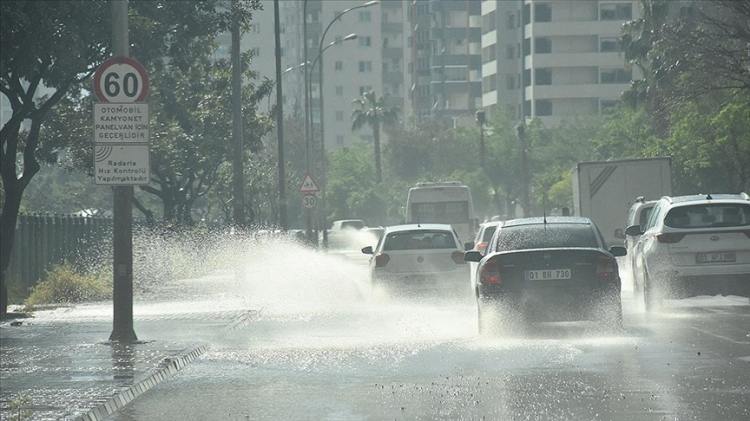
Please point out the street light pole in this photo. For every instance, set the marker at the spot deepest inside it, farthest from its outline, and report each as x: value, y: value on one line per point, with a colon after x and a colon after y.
x: 280, y: 119
x: 322, y: 131
x: 324, y: 223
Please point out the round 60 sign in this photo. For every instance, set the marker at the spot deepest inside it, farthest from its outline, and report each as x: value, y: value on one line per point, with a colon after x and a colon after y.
x: 121, y: 80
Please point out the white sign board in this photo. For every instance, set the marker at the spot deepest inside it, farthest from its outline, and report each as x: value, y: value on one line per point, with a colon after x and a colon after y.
x: 308, y: 185
x: 309, y: 201
x: 122, y: 165
x: 121, y: 79
x: 121, y: 123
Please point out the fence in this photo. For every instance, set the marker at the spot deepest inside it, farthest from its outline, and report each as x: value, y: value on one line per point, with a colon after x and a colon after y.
x: 42, y: 241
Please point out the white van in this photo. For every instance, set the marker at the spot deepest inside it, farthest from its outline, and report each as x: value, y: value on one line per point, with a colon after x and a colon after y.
x: 443, y: 202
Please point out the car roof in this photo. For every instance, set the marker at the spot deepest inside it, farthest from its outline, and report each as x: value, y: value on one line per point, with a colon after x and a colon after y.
x: 538, y: 220
x: 742, y: 197
x: 418, y: 227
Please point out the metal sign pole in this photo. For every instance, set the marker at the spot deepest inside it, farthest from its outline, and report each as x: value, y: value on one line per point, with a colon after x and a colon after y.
x: 122, y: 295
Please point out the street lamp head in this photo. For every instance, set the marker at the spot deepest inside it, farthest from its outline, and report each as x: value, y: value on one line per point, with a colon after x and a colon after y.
x: 350, y: 37
x: 371, y: 3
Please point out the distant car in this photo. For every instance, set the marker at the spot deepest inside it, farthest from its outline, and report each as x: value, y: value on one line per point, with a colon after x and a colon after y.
x: 484, y: 233
x: 344, y: 224
x: 694, y: 245
x: 638, y: 215
x: 423, y: 258
x: 547, y: 269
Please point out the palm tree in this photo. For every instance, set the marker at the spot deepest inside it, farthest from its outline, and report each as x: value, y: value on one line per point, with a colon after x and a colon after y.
x: 372, y: 111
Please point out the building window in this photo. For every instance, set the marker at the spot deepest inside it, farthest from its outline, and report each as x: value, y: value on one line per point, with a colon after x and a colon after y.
x: 510, y: 51
x: 542, y: 12
x: 339, y: 116
x: 543, y: 77
x: 365, y: 67
x: 365, y: 41
x: 339, y: 90
x: 616, y: 11
x: 510, y: 82
x: 364, y: 89
x: 615, y: 76
x: 365, y: 16
x: 542, y: 45
x: 510, y: 20
x: 608, y: 45
x: 339, y: 65
x: 543, y: 107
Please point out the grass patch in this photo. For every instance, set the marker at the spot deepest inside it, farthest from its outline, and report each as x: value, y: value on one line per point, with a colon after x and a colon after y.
x: 62, y: 284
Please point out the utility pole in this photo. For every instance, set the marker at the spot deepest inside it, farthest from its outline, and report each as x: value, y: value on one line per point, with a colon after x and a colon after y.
x: 122, y: 215
x: 280, y: 118
x: 238, y: 180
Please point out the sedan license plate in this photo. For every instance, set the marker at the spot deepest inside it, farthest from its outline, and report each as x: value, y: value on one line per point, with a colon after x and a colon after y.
x: 547, y: 274
x: 727, y: 257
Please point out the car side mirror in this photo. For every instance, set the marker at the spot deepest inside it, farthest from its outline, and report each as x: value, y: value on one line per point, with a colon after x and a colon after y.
x: 473, y: 256
x: 469, y: 245
x: 618, y: 251
x: 367, y: 250
x: 633, y: 230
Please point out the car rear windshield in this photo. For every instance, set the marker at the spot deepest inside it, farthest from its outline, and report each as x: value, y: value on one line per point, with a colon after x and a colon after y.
x: 353, y: 224
x: 418, y: 240
x: 706, y: 215
x: 488, y: 233
x: 524, y: 237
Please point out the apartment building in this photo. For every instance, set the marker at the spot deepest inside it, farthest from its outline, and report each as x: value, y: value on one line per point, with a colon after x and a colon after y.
x: 445, y: 68
x: 569, y: 64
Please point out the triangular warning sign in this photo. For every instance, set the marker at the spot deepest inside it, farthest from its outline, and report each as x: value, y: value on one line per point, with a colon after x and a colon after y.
x: 308, y: 185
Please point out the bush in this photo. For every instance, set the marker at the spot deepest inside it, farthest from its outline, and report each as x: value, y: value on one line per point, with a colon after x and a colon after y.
x: 64, y: 285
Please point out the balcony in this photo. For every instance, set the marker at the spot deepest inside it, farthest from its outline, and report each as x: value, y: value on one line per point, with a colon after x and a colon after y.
x: 553, y: 29
x: 457, y: 87
x: 594, y: 59
x: 392, y: 27
x: 393, y: 78
x: 473, y: 61
x: 391, y: 52
x: 576, y: 91
x: 456, y: 33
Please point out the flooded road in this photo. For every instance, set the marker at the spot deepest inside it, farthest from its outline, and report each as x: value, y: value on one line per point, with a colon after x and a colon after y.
x: 320, y: 349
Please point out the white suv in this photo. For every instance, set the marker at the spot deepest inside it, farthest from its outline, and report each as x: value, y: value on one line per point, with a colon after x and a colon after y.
x: 694, y: 245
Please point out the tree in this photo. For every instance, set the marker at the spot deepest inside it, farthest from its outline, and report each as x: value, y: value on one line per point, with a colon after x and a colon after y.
x: 373, y: 112
x: 57, y: 46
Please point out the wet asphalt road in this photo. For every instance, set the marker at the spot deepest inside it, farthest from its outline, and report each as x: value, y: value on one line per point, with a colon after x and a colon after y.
x: 320, y: 351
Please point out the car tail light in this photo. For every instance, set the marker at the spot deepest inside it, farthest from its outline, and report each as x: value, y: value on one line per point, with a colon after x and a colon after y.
x: 605, y: 268
x: 491, y: 273
x: 669, y: 237
x: 481, y: 247
x: 458, y: 257
x: 381, y: 259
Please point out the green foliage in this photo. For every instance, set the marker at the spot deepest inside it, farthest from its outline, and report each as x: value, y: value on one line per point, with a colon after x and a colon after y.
x: 17, y: 408
x: 62, y: 284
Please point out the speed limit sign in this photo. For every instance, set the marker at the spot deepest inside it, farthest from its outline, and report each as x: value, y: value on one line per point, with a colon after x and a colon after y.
x: 121, y: 80
x: 309, y: 201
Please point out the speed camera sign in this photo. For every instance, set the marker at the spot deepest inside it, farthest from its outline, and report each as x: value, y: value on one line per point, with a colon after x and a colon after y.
x: 121, y: 80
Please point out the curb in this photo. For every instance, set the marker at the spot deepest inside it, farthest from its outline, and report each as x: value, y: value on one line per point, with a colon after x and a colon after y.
x: 166, y: 369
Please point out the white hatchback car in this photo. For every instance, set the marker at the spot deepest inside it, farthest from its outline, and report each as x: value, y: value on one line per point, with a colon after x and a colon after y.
x: 694, y: 245
x: 425, y: 258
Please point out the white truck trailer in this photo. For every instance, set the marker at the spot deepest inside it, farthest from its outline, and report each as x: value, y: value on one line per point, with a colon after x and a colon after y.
x: 605, y: 190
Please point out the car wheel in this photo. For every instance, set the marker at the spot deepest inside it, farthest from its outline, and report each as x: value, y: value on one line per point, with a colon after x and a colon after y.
x: 651, y: 299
